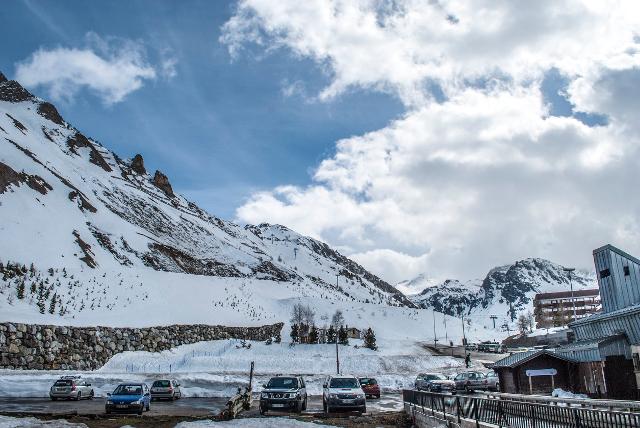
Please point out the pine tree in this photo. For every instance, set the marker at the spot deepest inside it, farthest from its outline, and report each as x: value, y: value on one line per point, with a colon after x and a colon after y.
x: 32, y: 289
x: 370, y: 339
x: 41, y: 299
x: 20, y: 289
x: 294, y: 333
x: 52, y: 304
x: 343, y: 339
x: 313, y: 335
x: 277, y: 338
x: 331, y: 335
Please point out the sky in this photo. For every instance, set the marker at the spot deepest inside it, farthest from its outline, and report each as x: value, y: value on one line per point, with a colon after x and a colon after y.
x: 434, y: 137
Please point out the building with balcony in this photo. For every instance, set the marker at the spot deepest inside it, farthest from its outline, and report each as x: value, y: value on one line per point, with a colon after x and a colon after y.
x: 556, y: 309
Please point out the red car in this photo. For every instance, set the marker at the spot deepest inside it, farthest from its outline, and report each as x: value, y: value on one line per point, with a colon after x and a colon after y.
x: 370, y: 387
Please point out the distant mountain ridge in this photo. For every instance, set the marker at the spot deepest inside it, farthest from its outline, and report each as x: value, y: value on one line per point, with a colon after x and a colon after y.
x: 66, y: 201
x: 505, y: 291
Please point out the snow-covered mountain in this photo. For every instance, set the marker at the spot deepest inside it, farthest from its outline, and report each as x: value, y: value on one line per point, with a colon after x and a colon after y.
x: 81, y: 226
x: 417, y: 284
x: 505, y: 291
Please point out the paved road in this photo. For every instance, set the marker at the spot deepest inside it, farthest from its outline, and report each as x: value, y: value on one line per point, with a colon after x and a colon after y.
x: 182, y: 407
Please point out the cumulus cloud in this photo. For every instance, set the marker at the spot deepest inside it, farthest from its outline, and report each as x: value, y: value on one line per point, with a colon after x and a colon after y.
x: 486, y: 175
x: 109, y: 68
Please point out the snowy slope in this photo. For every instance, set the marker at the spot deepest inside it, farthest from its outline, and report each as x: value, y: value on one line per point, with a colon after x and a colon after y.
x: 98, y: 233
x: 506, y: 291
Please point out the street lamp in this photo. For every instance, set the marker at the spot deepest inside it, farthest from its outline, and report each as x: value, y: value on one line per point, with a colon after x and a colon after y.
x: 573, y: 301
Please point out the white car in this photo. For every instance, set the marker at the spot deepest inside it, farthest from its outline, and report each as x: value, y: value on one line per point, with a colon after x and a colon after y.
x: 70, y: 388
x: 343, y: 392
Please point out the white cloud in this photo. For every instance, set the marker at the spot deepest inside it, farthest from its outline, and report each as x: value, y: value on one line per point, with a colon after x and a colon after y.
x: 110, y: 68
x: 486, y: 176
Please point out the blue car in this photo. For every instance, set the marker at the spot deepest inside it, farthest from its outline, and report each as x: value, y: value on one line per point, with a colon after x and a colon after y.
x: 129, y: 398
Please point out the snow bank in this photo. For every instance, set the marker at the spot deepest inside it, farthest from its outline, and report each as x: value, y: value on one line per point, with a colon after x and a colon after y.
x: 561, y: 393
x: 281, y: 422
x: 10, y: 422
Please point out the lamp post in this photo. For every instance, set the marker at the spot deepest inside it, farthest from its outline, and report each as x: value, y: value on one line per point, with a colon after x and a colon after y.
x: 573, y: 301
x: 337, y: 356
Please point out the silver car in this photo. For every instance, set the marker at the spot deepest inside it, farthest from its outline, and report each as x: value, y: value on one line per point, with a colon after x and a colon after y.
x: 168, y: 389
x: 493, y: 381
x: 434, y: 382
x: 71, y: 388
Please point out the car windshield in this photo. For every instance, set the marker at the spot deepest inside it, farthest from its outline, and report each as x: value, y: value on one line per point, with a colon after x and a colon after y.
x: 128, y: 390
x: 63, y: 383
x: 435, y: 377
x: 367, y: 381
x: 161, y: 383
x: 283, y: 382
x: 345, y: 382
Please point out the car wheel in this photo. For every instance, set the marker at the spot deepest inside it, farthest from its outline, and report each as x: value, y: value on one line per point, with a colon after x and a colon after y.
x: 54, y: 398
x: 148, y: 407
x: 79, y: 396
x: 107, y: 411
x: 378, y: 396
x: 299, y: 407
x: 91, y: 395
x: 140, y: 411
x: 324, y: 406
x: 497, y: 387
x: 304, y: 404
x: 363, y: 409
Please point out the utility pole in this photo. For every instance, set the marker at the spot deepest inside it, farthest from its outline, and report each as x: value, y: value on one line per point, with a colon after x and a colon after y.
x: 494, y: 318
x: 573, y: 301
x: 464, y: 337
x: 435, y: 337
x: 337, y: 276
x: 295, y: 253
x: 446, y: 334
x: 337, y: 356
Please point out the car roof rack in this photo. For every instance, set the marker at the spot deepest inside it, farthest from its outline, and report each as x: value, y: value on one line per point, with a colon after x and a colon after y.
x: 70, y: 377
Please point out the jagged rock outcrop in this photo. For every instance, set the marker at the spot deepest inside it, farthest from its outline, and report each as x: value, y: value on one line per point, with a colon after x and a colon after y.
x: 161, y: 181
x: 50, y: 347
x: 8, y: 177
x: 137, y: 165
x: 48, y: 111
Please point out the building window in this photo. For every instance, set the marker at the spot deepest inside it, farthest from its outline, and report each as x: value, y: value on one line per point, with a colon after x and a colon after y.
x: 604, y: 273
x: 626, y: 271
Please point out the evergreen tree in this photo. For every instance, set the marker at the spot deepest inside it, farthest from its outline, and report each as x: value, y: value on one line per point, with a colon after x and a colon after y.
x: 331, y: 334
x: 20, y: 289
x: 295, y: 333
x: 277, y: 338
x: 370, y: 339
x: 41, y: 299
x: 32, y: 289
x: 343, y: 339
x: 313, y: 334
x: 52, y: 304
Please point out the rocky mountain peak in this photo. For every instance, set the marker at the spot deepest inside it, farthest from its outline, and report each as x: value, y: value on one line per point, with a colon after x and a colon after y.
x: 137, y: 165
x: 161, y: 181
x: 13, y: 92
x: 2, y: 77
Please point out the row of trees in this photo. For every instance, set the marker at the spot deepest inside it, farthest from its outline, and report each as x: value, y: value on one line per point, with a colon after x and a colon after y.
x: 304, y: 329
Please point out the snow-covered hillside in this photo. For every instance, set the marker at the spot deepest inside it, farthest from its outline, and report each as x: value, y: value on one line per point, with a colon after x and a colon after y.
x: 86, y: 234
x: 505, y: 292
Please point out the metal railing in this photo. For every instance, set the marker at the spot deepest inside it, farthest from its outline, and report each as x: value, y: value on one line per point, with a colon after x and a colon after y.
x: 517, y: 414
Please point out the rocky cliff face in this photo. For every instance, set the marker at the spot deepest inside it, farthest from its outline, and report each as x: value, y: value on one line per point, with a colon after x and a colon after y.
x: 66, y: 201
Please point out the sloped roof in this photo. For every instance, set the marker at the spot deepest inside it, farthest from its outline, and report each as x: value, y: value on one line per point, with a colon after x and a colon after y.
x: 519, y: 358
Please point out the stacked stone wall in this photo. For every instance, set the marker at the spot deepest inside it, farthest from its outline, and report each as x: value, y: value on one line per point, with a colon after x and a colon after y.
x: 51, y: 347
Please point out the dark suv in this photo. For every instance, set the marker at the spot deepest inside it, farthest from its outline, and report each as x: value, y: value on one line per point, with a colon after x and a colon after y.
x: 284, y: 393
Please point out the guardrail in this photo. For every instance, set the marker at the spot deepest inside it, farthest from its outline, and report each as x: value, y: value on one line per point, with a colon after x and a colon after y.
x: 518, y: 414
x: 591, y: 403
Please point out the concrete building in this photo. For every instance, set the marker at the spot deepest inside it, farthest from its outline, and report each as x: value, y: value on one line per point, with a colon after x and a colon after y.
x: 556, y: 309
x: 607, y: 345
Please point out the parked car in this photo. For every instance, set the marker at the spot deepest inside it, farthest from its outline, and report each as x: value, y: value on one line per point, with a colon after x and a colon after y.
x: 470, y: 381
x: 493, y: 381
x: 343, y: 392
x: 284, y: 393
x: 471, y: 347
x: 129, y: 398
x: 434, y: 382
x: 168, y: 389
x: 370, y: 386
x: 71, y: 388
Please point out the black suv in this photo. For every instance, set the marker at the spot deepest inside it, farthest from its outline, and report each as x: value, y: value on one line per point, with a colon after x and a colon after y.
x: 284, y: 393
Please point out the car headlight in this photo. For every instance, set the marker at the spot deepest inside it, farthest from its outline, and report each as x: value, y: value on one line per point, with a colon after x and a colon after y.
x: 333, y: 396
x: 264, y: 395
x: 109, y: 402
x: 361, y: 396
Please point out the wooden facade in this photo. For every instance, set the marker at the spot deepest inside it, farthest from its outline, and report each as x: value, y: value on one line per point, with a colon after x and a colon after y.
x: 512, y: 372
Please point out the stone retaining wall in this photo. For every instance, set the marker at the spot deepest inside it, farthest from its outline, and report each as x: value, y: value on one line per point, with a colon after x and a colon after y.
x: 50, y: 347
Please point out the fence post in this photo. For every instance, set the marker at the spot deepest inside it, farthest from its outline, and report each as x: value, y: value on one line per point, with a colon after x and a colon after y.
x: 444, y: 413
x: 576, y: 418
x: 432, y: 411
x: 458, y: 408
x: 533, y: 416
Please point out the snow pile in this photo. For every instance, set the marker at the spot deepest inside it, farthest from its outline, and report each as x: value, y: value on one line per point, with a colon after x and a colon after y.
x: 561, y: 393
x: 11, y: 422
x: 271, y: 422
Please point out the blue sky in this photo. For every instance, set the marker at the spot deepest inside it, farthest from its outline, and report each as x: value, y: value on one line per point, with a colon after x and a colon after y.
x: 221, y: 128
x: 463, y: 143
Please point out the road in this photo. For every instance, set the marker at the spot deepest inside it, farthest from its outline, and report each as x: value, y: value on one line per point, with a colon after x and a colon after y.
x: 182, y: 407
